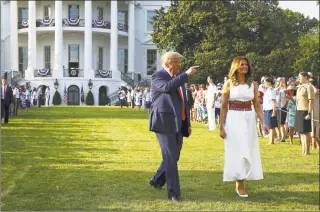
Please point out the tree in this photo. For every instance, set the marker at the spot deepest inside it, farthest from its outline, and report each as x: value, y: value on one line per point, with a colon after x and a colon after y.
x: 309, y: 54
x: 56, y: 98
x: 212, y: 33
x: 90, y: 98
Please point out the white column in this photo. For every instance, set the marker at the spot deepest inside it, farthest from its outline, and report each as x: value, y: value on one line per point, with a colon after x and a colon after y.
x: 32, y: 41
x: 58, y: 44
x: 114, y: 40
x: 88, y: 71
x: 131, y: 37
x: 14, y: 36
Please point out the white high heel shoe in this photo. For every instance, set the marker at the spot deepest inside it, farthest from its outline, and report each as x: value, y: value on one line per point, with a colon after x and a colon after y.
x: 241, y: 195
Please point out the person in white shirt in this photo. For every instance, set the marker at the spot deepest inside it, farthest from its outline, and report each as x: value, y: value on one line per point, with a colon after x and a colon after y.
x: 34, y: 97
x: 138, y: 98
x: 148, y: 100
x: 27, y: 95
x: 270, y: 108
x: 218, y: 105
x: 47, y: 95
x: 211, y: 98
x: 133, y: 97
x: 16, y: 100
x: 122, y: 96
x: 39, y: 96
x: 129, y: 102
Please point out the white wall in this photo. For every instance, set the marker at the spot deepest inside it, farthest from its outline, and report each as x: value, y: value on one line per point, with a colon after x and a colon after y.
x: 138, y: 57
x: 106, y: 9
x: 73, y: 38
x: 5, y: 20
x: 65, y: 7
x: 101, y: 41
x: 40, y: 8
x: 45, y: 40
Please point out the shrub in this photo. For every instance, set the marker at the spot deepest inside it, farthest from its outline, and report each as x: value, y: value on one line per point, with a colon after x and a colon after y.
x: 89, y: 98
x: 56, y: 98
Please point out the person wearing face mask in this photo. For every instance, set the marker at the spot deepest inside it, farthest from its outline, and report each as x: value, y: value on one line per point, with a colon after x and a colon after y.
x: 169, y: 119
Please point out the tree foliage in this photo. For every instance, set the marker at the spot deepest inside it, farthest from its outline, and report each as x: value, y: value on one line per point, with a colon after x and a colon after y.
x: 309, y: 54
x: 212, y: 33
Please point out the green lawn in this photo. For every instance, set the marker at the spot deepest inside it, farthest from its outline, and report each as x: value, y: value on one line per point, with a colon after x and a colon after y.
x: 101, y: 158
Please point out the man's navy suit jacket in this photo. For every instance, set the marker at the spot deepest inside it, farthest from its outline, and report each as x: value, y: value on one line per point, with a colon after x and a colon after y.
x: 166, y: 107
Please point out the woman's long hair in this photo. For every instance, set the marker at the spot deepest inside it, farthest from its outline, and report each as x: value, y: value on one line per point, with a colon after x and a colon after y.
x: 235, y: 66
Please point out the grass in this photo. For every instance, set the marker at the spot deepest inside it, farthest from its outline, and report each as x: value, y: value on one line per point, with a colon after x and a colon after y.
x: 101, y: 158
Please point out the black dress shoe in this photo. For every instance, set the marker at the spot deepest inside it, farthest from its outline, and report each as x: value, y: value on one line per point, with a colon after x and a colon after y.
x: 154, y: 185
x: 174, y: 199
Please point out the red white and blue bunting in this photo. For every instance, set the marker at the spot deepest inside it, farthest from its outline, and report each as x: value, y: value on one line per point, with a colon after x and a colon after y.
x: 46, y: 22
x: 99, y: 23
x: 25, y: 23
x: 73, y: 21
x: 120, y: 26
x: 105, y: 73
x: 43, y: 72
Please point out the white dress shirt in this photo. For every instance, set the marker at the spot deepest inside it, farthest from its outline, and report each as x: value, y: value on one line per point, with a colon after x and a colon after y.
x: 268, y: 96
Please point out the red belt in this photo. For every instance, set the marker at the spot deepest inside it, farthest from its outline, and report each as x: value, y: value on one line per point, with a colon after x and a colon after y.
x: 240, y: 106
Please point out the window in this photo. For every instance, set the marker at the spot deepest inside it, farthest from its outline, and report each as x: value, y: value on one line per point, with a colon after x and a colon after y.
x: 100, y: 13
x: 123, y: 60
x: 23, y: 14
x: 23, y: 59
x: 100, y: 58
x: 150, y: 15
x: 74, y: 11
x: 123, y: 17
x: 47, y: 57
x: 47, y: 12
x: 73, y: 53
x: 151, y: 61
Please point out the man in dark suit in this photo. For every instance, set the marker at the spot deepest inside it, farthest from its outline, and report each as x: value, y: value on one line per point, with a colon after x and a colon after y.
x: 169, y: 119
x: 6, y: 100
x: 189, y: 96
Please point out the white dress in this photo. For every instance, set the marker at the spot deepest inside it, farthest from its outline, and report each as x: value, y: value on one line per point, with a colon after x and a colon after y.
x: 242, y: 153
x: 212, y: 90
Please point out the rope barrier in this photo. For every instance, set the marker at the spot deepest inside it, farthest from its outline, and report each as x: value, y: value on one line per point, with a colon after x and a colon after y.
x: 294, y: 114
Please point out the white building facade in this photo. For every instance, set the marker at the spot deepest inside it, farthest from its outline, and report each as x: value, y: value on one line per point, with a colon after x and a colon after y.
x: 73, y: 42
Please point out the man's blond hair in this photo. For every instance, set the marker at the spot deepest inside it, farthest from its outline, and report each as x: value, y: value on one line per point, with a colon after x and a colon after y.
x: 166, y: 56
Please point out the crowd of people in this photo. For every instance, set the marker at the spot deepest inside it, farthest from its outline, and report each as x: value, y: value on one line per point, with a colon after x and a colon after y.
x: 135, y: 97
x: 279, y: 101
x: 18, y: 97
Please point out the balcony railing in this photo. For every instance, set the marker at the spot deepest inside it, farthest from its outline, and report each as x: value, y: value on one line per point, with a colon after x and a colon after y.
x: 23, y: 23
x: 43, y: 72
x: 73, y: 72
x: 101, y: 24
x: 73, y: 22
x: 45, y: 22
x: 107, y: 25
x: 123, y: 27
x: 102, y: 73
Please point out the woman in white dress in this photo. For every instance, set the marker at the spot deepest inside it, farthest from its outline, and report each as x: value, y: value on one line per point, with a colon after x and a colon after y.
x: 242, y: 153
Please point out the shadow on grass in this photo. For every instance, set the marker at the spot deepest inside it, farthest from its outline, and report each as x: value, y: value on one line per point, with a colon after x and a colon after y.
x: 56, y: 113
x: 92, y: 188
